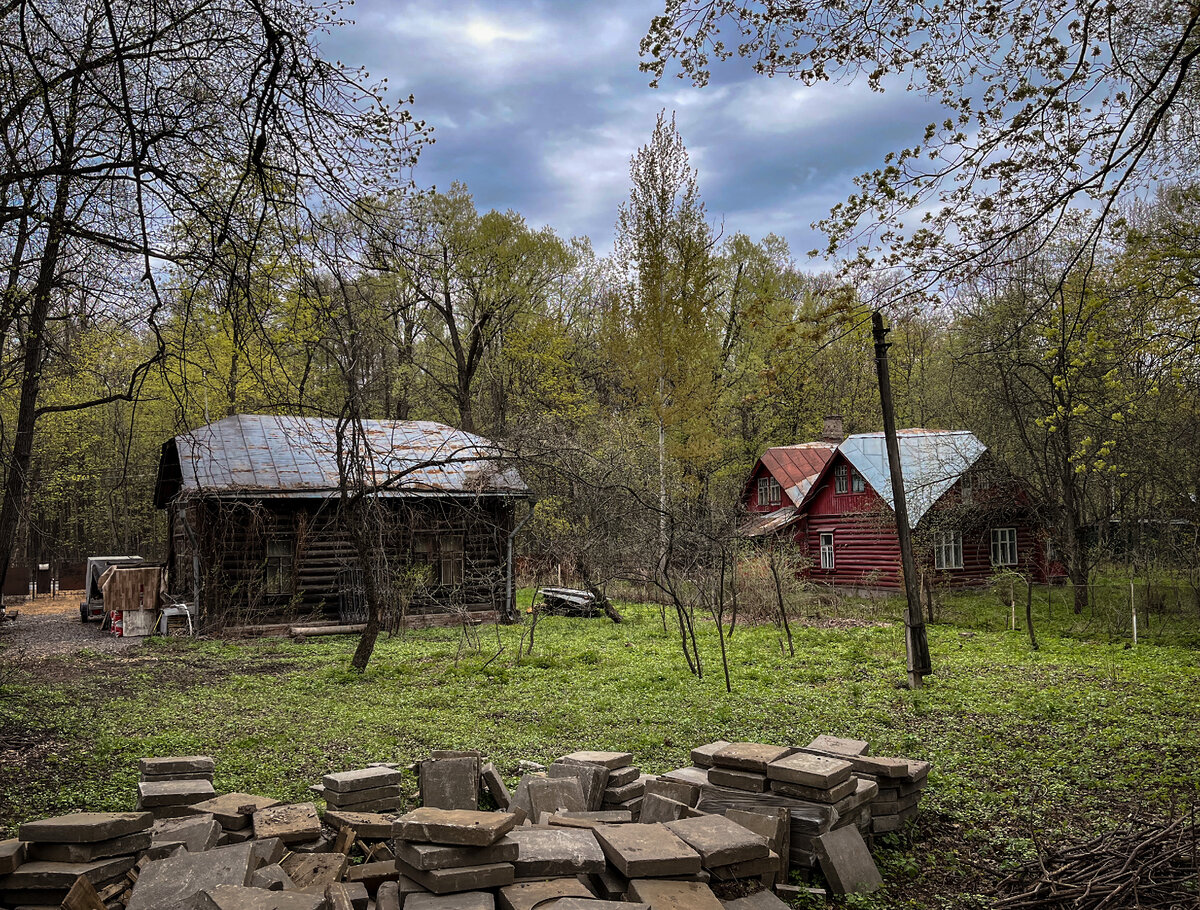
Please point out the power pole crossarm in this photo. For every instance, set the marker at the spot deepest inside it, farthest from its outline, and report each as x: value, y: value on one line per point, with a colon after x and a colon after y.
x: 915, y: 642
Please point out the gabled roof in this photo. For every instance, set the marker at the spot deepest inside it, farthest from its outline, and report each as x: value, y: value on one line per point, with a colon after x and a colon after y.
x: 796, y: 467
x: 931, y: 461
x: 279, y: 456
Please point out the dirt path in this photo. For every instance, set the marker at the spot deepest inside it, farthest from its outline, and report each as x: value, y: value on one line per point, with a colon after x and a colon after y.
x: 48, y: 627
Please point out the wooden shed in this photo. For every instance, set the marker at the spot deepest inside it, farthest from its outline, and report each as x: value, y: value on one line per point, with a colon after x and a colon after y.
x: 260, y: 529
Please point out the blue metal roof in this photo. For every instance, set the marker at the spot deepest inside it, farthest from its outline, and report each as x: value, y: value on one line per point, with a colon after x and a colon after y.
x: 930, y: 463
x: 267, y: 455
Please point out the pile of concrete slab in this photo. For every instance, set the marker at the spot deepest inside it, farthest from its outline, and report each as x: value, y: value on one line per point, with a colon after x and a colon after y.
x: 725, y: 833
x: 170, y: 786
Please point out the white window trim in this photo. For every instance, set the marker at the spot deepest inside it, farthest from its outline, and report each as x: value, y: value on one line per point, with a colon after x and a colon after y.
x: 858, y: 483
x: 841, y: 479
x: 947, y: 544
x: 774, y: 492
x: 1004, y: 546
x: 763, y: 487
x: 828, y: 560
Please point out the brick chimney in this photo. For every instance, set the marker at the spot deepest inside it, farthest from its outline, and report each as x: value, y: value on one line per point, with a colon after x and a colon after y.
x: 832, y: 430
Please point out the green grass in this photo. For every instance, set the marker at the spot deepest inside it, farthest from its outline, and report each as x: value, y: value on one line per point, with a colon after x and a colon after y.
x: 1053, y: 742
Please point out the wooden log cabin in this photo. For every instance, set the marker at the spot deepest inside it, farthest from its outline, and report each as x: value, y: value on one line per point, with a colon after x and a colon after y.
x: 262, y: 529
x: 971, y: 519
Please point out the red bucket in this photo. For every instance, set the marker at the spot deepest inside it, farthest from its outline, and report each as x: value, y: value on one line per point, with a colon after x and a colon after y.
x: 118, y: 623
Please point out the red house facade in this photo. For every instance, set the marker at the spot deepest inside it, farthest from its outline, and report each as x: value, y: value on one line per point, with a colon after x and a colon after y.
x: 970, y: 519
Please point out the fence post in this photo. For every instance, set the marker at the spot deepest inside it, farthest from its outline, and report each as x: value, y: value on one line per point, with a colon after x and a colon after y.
x: 1133, y: 610
x: 1012, y: 606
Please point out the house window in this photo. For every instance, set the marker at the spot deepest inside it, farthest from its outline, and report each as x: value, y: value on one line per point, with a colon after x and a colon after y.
x: 826, y: 551
x: 1004, y: 546
x: 763, y: 490
x: 422, y: 556
x: 841, y: 479
x: 947, y: 550
x: 857, y: 484
x: 774, y: 492
x: 279, y: 577
x: 966, y: 489
x: 450, y: 556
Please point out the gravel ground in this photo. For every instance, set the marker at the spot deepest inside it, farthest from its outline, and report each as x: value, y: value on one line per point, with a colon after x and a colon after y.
x: 46, y: 634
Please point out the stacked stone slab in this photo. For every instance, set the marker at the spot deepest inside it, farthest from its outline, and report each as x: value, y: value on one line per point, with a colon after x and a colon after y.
x: 170, y: 785
x: 456, y: 851
x: 624, y: 786
x: 101, y: 847
x: 895, y: 784
x: 372, y: 789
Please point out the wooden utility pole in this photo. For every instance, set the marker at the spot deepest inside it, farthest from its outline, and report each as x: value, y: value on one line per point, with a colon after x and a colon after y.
x: 916, y: 644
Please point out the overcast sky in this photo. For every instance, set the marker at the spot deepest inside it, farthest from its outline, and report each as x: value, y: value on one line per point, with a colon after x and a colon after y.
x: 538, y: 105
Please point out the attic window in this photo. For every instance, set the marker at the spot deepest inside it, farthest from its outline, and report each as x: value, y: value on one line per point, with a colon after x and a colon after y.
x: 769, y: 491
x: 857, y: 484
x: 841, y: 479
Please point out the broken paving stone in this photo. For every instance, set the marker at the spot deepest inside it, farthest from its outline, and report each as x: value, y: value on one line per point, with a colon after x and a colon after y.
x: 40, y: 874
x: 610, y: 760
x: 450, y: 783
x: 763, y: 900
x: 12, y: 854
x: 165, y: 882
x: 196, y: 834
x: 680, y: 791
x: 495, y: 785
x: 315, y: 870
x: 234, y: 897
x: 647, y: 850
x: 750, y: 781
x: 86, y: 853
x: 272, y: 878
x: 361, y: 779
x: 839, y: 745
x: 669, y: 895
x: 593, y: 779
x: 462, y: 827
x: 702, y: 756
x: 460, y: 878
x: 155, y: 794
x: 468, y: 900
x: 818, y: 771
x: 657, y: 808
x: 367, y: 825
x: 268, y: 850
x: 372, y: 875
x: 720, y: 840
x: 549, y: 852
x: 749, y: 756
x: 292, y: 823
x: 537, y: 895
x: 846, y: 862
x: 388, y: 896
x: 551, y: 795
x: 234, y: 811
x: 84, y: 827
x: 442, y: 856
x: 177, y: 764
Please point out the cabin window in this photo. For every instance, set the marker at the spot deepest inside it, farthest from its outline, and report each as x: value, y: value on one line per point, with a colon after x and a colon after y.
x: 762, y: 491
x: 841, y: 479
x: 774, y: 492
x: 826, y: 551
x: 280, y: 558
x: 947, y: 550
x: 966, y: 489
x: 423, y: 556
x: 450, y: 555
x: 1004, y: 546
x: 857, y: 484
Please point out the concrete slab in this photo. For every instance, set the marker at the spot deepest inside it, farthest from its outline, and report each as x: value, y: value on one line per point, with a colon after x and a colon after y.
x: 629, y: 791
x: 461, y: 878
x: 592, y: 780
x: 839, y: 745
x: 388, y: 896
x: 367, y: 825
x: 610, y: 760
x: 361, y: 779
x: 846, y: 862
x: 441, y: 856
x: 292, y: 823
x: 165, y: 882
x: 750, y: 781
x: 647, y: 850
x: 763, y: 900
x: 196, y: 834
x: 315, y: 870
x: 12, y: 854
x: 152, y: 794
x: 832, y: 795
x: 85, y: 853
x: 461, y: 827
x: 549, y: 852
x: 540, y: 895
x: 272, y: 878
x: 232, y: 897
x: 591, y: 903
x: 177, y: 764
x: 552, y: 795
x: 495, y: 785
x: 268, y: 850
x: 450, y: 783
x: 702, y: 756
x: 372, y: 875
x: 468, y: 900
x: 720, y: 840
x: 678, y: 790
x: 818, y: 771
x: 669, y: 895
x: 84, y: 827
x: 749, y: 756
x: 657, y: 808
x: 234, y: 811
x: 40, y: 874
x: 353, y: 798
x: 622, y: 776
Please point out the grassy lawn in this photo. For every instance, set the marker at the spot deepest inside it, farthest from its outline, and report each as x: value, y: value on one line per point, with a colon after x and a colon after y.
x: 1048, y: 744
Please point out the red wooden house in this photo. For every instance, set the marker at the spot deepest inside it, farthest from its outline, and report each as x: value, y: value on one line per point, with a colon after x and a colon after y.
x: 970, y: 519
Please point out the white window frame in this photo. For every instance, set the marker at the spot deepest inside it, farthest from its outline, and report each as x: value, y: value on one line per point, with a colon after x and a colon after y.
x: 1004, y: 546
x: 763, y: 490
x: 827, y: 555
x: 947, y: 550
x: 858, y: 483
x: 279, y: 567
x: 774, y: 492
x: 841, y: 479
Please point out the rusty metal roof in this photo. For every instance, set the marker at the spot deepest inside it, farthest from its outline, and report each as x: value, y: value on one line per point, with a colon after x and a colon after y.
x: 764, y: 523
x: 279, y: 456
x: 796, y: 467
